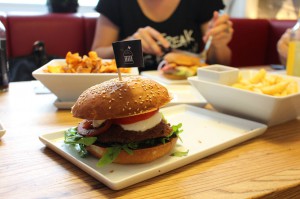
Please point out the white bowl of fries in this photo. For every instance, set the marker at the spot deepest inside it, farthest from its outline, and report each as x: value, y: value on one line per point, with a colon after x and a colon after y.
x: 68, y: 81
x: 263, y: 97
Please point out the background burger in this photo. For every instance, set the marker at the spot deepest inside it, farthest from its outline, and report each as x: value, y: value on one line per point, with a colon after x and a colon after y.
x: 178, y: 66
x: 122, y: 123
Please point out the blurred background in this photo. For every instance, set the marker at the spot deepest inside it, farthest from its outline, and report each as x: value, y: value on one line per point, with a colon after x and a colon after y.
x: 267, y: 9
x: 85, y: 6
x: 270, y: 9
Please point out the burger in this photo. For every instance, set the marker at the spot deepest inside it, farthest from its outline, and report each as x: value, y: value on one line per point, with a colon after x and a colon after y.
x: 179, y: 66
x: 122, y: 122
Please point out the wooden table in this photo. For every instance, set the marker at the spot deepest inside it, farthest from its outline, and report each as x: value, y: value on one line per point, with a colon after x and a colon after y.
x: 265, y: 167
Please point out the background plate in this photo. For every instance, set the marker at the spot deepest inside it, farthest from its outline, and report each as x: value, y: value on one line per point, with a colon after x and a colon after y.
x: 155, y: 75
x: 205, y: 132
x: 182, y: 94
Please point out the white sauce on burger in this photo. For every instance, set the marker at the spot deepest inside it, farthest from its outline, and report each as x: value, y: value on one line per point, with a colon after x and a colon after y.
x: 137, y: 126
x: 97, y: 123
x: 144, y: 124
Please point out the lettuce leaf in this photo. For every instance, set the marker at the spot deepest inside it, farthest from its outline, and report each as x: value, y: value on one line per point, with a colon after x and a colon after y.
x: 109, y: 156
x: 77, y: 141
x: 180, y: 153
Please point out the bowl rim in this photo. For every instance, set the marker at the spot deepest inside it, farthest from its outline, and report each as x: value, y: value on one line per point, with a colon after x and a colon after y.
x: 246, y: 91
x: 39, y: 71
x: 210, y: 67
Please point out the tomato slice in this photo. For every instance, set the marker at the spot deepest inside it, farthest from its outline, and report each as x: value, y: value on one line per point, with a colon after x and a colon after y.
x: 135, y: 118
x: 86, y: 128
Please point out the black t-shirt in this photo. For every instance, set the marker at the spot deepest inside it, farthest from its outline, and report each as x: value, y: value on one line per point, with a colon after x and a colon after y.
x: 181, y: 29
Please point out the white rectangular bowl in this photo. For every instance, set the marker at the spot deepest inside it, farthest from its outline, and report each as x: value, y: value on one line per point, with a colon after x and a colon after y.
x: 262, y: 108
x: 68, y: 86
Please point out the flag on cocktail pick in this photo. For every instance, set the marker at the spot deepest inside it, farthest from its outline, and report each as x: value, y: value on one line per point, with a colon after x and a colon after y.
x: 128, y: 53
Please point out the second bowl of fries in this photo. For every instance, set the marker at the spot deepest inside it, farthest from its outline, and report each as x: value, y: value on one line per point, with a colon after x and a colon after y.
x: 68, y: 78
x: 256, y: 95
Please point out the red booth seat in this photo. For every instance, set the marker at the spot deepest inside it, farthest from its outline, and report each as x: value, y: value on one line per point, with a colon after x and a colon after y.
x: 253, y: 42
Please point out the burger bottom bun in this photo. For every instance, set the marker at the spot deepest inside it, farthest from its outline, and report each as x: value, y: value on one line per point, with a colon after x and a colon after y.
x: 139, y: 156
x: 174, y: 77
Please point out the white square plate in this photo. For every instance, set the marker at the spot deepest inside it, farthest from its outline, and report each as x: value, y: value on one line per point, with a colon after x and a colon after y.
x: 205, y: 132
x: 182, y: 94
x: 267, y: 109
x: 155, y: 75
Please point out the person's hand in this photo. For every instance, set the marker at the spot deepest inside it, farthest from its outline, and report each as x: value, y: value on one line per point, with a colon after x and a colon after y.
x: 151, y: 40
x: 283, y: 45
x: 220, y: 27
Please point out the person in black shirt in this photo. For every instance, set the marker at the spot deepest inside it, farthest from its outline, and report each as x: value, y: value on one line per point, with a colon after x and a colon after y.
x: 182, y: 24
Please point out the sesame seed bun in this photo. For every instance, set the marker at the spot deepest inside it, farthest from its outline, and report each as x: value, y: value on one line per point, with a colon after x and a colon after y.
x: 115, y: 99
x: 139, y: 156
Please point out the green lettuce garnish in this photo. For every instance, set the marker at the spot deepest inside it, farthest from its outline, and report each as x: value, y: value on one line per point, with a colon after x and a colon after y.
x: 112, y: 153
x: 180, y: 153
x: 109, y: 156
x: 79, y: 142
x: 176, y: 130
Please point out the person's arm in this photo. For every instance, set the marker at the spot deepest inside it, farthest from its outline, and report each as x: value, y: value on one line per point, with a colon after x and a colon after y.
x: 107, y: 33
x: 220, y: 27
x: 283, y: 45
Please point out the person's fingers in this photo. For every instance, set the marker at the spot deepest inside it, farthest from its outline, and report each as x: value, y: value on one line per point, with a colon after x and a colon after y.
x: 285, y: 50
x: 150, y: 36
x: 158, y: 37
x: 219, y: 26
x: 283, y: 43
x: 145, y: 46
x: 215, y: 16
x: 221, y: 19
x: 223, y: 32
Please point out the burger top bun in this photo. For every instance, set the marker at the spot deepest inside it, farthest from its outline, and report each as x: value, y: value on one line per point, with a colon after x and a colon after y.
x: 115, y: 99
x: 182, y: 59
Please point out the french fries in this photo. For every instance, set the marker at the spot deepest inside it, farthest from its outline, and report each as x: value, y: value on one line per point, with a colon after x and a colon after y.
x: 268, y: 84
x: 86, y: 64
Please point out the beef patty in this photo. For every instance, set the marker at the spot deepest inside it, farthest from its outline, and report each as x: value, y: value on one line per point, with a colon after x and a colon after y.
x: 117, y: 134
